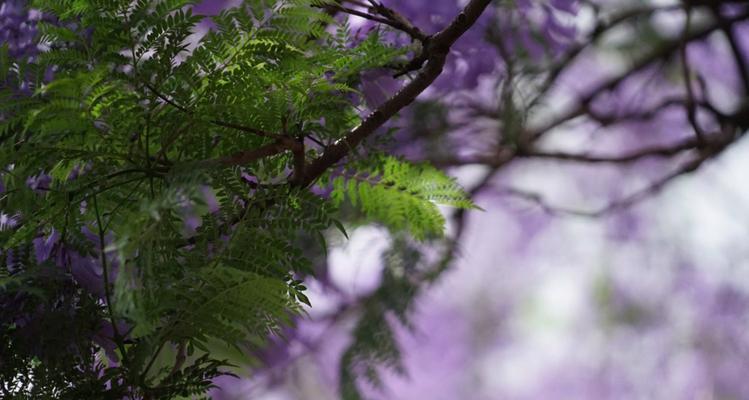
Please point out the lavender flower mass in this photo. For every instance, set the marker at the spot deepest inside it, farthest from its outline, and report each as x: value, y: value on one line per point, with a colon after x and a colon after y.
x: 18, y: 27
x: 363, y: 199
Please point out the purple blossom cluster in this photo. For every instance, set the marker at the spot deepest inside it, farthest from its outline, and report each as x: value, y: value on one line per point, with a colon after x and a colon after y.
x: 18, y: 28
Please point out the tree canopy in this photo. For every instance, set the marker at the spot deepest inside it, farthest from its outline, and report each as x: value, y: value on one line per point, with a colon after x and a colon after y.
x: 165, y: 188
x: 170, y: 181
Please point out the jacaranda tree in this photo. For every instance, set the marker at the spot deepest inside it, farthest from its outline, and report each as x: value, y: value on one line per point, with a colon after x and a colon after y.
x: 169, y: 181
x: 161, y: 191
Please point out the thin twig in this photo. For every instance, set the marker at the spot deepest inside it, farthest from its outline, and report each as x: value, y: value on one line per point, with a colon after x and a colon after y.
x: 687, y: 76
x: 119, y: 340
x: 232, y: 125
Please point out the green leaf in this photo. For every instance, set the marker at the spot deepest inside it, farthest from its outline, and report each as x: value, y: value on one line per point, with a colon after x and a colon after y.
x: 402, y: 196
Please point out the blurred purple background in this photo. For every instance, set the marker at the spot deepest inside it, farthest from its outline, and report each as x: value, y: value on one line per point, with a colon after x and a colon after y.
x: 645, y: 301
x: 648, y: 300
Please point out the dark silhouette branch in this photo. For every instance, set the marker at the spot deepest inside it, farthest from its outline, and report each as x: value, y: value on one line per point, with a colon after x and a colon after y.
x: 437, y: 49
x: 661, y: 52
x: 385, y: 16
x: 691, y: 107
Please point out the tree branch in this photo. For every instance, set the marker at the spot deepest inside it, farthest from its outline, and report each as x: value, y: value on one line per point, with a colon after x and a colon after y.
x: 437, y: 49
x: 387, y: 17
x: 662, y: 151
x: 604, y: 25
x: 691, y: 107
x: 621, y: 203
x: 662, y: 51
x: 252, y: 155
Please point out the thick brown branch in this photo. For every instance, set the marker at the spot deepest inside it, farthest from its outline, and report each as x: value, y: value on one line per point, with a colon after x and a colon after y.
x: 248, y: 156
x: 299, y: 160
x: 437, y: 50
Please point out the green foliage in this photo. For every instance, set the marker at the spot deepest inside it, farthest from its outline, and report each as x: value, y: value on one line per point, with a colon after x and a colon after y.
x: 402, y: 196
x: 140, y: 122
x: 65, y: 318
x: 374, y: 344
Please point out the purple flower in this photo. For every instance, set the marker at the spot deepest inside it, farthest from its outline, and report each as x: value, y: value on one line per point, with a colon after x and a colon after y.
x: 105, y: 337
x: 8, y: 221
x: 210, y: 199
x: 39, y: 183
x: 18, y: 28
x: 43, y: 246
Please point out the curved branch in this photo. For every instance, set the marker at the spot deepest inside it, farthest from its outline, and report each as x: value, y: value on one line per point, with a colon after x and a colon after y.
x: 660, y: 52
x: 439, y: 46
